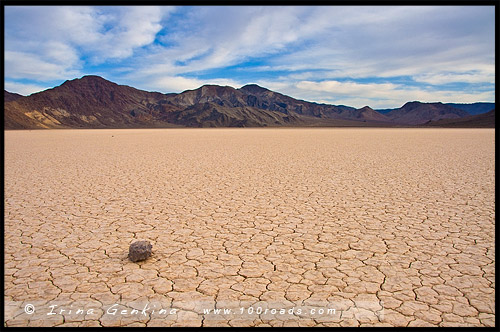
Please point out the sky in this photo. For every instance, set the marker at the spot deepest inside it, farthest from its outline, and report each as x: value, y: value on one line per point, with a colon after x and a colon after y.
x: 380, y: 56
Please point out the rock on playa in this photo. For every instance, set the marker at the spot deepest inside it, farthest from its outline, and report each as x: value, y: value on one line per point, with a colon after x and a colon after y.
x: 139, y: 251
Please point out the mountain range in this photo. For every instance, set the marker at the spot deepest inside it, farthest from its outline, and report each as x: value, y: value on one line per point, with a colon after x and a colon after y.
x: 94, y: 102
x: 483, y: 120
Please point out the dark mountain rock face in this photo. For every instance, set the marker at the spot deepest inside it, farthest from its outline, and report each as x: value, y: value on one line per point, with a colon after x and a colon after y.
x: 93, y: 102
x: 9, y: 96
x: 483, y: 120
x: 214, y: 115
x: 415, y: 113
x: 220, y: 95
x: 269, y: 100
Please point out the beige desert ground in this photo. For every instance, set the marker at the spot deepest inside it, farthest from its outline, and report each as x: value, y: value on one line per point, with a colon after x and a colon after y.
x: 384, y: 227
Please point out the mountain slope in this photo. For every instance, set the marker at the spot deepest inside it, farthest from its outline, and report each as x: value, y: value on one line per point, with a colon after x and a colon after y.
x: 90, y: 102
x: 368, y: 114
x: 416, y: 113
x: 256, y: 96
x: 211, y: 114
x: 484, y: 120
x: 9, y: 96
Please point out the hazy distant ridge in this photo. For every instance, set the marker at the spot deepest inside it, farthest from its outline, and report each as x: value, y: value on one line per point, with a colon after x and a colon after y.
x: 474, y: 109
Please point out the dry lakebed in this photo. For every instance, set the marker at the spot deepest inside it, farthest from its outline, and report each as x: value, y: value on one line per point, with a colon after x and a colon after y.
x: 250, y: 227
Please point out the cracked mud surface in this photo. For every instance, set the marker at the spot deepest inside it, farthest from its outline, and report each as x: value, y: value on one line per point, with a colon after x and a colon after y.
x: 391, y: 227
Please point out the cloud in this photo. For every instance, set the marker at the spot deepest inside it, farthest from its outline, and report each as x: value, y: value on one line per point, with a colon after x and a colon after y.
x: 214, y: 37
x: 444, y: 78
x: 53, y: 65
x: 177, y: 84
x: 395, y: 41
x: 24, y: 89
x: 375, y: 95
x: 132, y: 28
x: 304, y: 49
x: 65, y: 37
x: 431, y: 44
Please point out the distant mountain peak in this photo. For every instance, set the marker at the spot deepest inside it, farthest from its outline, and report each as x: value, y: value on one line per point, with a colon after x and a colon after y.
x: 218, y: 87
x: 411, y: 103
x: 211, y: 88
x: 416, y: 113
x: 93, y: 77
x: 253, y: 89
x: 88, y: 80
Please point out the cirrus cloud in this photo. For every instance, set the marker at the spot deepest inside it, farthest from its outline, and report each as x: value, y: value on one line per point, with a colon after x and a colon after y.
x: 372, y: 55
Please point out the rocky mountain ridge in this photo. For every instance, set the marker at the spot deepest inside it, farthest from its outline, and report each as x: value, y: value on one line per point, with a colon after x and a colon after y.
x: 94, y: 102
